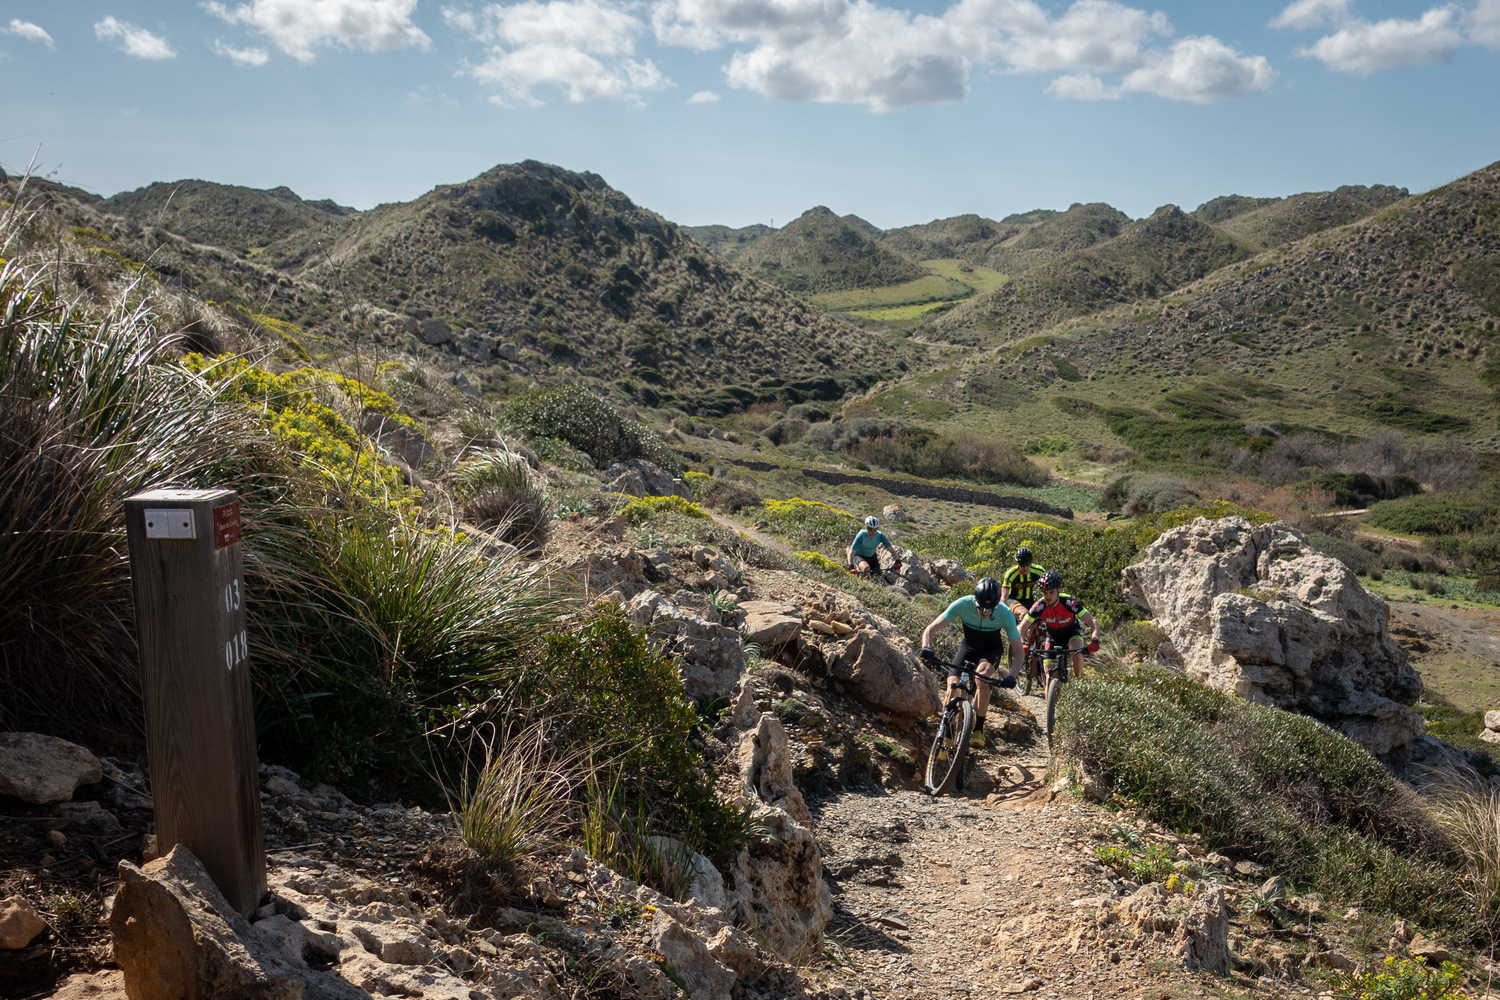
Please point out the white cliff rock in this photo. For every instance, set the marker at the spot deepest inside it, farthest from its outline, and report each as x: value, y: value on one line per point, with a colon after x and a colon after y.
x: 1256, y: 611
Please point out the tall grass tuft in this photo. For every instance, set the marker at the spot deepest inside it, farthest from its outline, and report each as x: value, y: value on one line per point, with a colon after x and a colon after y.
x: 1470, y: 813
x: 496, y: 491
x: 620, y: 837
x: 89, y: 414
x: 517, y: 803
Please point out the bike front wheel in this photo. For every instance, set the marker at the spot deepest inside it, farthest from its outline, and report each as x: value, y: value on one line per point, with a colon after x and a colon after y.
x: 1054, y: 688
x: 1031, y: 676
x: 950, y: 745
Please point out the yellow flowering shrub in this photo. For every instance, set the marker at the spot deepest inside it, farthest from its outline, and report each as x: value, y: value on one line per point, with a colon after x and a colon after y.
x: 819, y: 560
x: 642, y: 508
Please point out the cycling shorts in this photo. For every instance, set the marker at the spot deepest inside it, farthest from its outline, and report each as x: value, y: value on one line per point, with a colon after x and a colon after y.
x: 997, y: 652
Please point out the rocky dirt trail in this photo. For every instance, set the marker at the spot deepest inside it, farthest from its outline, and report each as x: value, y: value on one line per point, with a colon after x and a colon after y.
x: 993, y: 893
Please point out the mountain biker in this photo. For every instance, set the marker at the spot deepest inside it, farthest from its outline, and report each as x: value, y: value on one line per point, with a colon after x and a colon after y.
x: 1018, y: 584
x: 986, y: 626
x: 1063, y: 617
x: 862, y: 552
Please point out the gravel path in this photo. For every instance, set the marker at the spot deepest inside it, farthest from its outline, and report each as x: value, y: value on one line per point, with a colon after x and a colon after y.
x: 978, y: 896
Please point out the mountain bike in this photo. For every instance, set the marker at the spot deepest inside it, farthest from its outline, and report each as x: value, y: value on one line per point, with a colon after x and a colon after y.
x: 1052, y: 665
x: 948, y: 761
x: 888, y: 574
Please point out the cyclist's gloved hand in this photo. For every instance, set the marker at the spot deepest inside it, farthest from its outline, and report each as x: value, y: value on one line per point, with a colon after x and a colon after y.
x: 1094, y: 646
x: 928, y: 654
x: 1008, y: 682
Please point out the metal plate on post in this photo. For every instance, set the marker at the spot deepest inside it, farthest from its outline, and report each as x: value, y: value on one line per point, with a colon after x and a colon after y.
x: 226, y: 525
x: 170, y: 523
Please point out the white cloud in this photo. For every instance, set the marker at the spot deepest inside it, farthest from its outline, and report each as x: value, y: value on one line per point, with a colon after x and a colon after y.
x: 1082, y: 87
x: 1363, y: 48
x: 704, y: 97
x: 585, y: 47
x: 857, y: 51
x: 297, y: 27
x: 1201, y: 70
x: 242, y: 57
x: 30, y: 32
x: 1312, y: 13
x: 138, y: 42
x: 1483, y: 24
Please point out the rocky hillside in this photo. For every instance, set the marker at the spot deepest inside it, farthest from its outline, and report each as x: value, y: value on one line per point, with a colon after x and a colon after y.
x: 1279, y: 221
x: 1146, y: 260
x: 725, y: 241
x: 241, y: 219
x: 820, y: 252
x: 526, y: 273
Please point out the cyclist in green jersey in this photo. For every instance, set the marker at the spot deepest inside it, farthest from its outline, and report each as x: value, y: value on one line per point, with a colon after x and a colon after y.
x: 987, y: 627
x: 864, y: 552
x: 1018, y: 585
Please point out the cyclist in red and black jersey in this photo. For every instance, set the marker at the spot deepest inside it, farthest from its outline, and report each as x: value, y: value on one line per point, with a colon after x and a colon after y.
x: 1064, y: 617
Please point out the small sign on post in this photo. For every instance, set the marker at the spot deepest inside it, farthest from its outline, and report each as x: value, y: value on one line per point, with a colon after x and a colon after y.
x: 187, y: 572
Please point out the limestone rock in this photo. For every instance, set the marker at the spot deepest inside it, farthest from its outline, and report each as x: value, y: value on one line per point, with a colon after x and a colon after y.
x: 108, y: 984
x: 705, y: 977
x: 950, y: 571
x: 640, y: 478
x: 1427, y: 950
x: 19, y: 923
x: 710, y: 656
x: 1490, y: 735
x: 1256, y: 611
x: 1201, y: 935
x: 769, y: 623
x: 766, y: 769
x: 610, y: 572
x: 1492, y: 719
x: 779, y: 893
x: 883, y: 671
x: 436, y: 333
x: 743, y: 713
x: 177, y: 938
x: 707, y: 887
x: 895, y: 512
x: 716, y: 562
x: 734, y: 949
x: 41, y: 769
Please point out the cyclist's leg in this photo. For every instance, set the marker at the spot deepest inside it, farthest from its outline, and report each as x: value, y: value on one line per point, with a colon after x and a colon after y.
x: 982, y: 690
x: 956, y: 668
x: 1075, y: 644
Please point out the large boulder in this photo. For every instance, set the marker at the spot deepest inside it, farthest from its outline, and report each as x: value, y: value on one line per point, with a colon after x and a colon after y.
x: 883, y: 671
x: 766, y: 769
x: 640, y: 478
x: 1255, y: 610
x: 710, y: 657
x: 770, y: 623
x: 705, y: 977
x: 41, y: 769
x: 177, y: 938
x: 779, y: 894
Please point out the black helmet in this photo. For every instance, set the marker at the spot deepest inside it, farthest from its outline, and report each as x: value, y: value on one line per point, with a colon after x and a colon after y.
x: 1023, y: 556
x: 987, y: 593
x: 1051, y: 580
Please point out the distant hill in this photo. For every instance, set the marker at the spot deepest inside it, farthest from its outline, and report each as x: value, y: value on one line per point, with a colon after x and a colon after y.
x: 724, y: 241
x: 1226, y: 207
x: 820, y: 252
x: 237, y: 218
x: 955, y: 237
x: 1286, y: 220
x: 868, y: 228
x: 1148, y: 258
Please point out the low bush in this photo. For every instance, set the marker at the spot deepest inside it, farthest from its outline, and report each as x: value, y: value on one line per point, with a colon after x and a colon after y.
x: 574, y: 414
x: 642, y: 509
x: 1403, y: 979
x: 920, y: 452
x: 788, y: 431
x: 726, y: 494
x: 811, y: 523
x: 496, y: 493
x: 821, y: 561
x: 1360, y: 489
x: 1281, y: 788
x: 1438, y: 513
x: 1356, y: 557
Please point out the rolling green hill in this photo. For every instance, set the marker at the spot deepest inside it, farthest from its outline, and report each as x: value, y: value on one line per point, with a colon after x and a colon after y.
x: 236, y: 218
x: 820, y: 252
x: 725, y: 241
x: 1287, y: 220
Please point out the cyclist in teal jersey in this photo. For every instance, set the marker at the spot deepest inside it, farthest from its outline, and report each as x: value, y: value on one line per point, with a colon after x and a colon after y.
x: 863, y: 553
x: 987, y: 626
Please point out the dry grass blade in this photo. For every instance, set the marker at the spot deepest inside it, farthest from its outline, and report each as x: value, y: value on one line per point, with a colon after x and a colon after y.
x: 518, y: 802
x: 1470, y: 813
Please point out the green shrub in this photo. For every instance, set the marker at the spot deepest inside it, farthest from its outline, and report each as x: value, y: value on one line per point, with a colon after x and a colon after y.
x: 821, y: 561
x: 642, y: 509
x: 1356, y: 557
x: 811, y: 523
x: 1403, y: 979
x: 1437, y: 513
x: 574, y: 414
x: 919, y: 452
x: 1281, y: 788
x: 726, y: 494
x: 1360, y: 489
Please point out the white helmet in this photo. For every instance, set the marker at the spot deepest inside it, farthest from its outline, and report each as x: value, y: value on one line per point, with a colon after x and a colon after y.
x: 872, y: 522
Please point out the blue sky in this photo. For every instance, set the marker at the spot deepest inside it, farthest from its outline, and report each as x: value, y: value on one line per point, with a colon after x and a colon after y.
x: 742, y: 111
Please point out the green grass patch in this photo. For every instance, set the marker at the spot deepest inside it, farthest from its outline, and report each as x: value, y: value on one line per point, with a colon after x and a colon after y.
x: 981, y: 279
x: 1436, y: 513
x: 930, y: 288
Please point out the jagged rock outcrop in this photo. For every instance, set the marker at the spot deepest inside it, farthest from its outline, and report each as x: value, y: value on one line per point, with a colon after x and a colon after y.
x: 883, y: 671
x: 1199, y: 936
x: 710, y: 657
x: 1257, y: 611
x: 640, y: 478
x: 42, y: 769
x: 766, y: 769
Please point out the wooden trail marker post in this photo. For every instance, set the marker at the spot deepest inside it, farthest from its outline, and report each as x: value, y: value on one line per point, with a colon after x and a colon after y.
x: 186, y: 568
